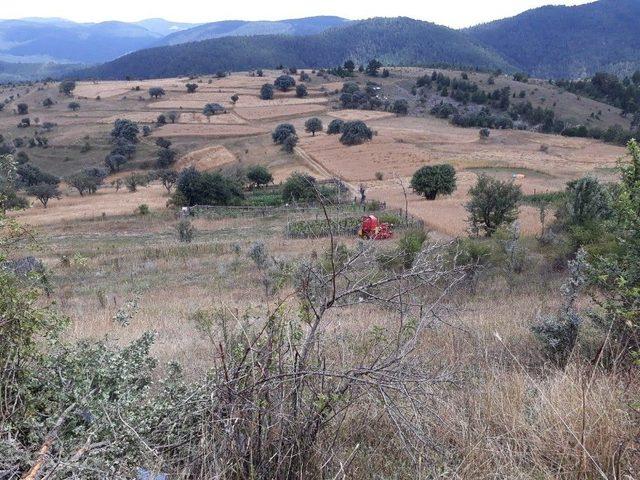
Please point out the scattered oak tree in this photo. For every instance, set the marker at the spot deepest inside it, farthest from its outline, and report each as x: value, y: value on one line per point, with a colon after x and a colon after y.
x: 355, y: 133
x: 313, y: 125
x: 156, y: 92
x: 44, y: 192
x: 335, y: 126
x: 434, y: 180
x: 301, y: 91
x: 266, y: 92
x: 259, y: 176
x: 66, y: 87
x: 284, y: 83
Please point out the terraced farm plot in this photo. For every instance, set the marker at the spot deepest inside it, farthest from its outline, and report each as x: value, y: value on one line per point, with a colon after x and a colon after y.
x: 208, y: 130
x: 264, y: 112
x: 199, y: 118
x: 207, y: 158
x: 364, y: 115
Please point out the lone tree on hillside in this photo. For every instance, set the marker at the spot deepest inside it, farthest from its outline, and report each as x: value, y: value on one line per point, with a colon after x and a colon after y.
x: 47, y: 103
x: 284, y: 83
x: 400, y: 107
x: 74, y: 106
x: 234, y: 98
x: 355, y: 133
x: 114, y: 161
x: 259, y: 176
x: 434, y: 180
x: 191, y: 87
x: 301, y: 91
x: 493, y: 204
x: 211, y: 109
x: 266, y: 92
x: 313, y: 125
x: 23, y: 108
x: 168, y: 178
x: 156, y: 92
x: 44, y: 192
x: 372, y: 67
x: 335, y: 126
x: 135, y: 180
x: 67, y: 86
x: 281, y: 133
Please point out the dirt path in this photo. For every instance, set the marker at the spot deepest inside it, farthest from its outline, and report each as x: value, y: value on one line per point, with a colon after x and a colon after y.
x: 313, y: 164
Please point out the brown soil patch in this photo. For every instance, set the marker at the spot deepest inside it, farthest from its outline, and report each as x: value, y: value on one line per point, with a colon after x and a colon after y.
x: 206, y: 130
x: 206, y: 158
x: 260, y: 113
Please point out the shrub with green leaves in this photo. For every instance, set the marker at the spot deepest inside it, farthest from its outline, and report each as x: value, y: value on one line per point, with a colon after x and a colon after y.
x: 335, y: 126
x: 299, y: 187
x: 259, y: 176
x: 493, y: 203
x: 266, y: 92
x: 206, y: 188
x: 434, y: 180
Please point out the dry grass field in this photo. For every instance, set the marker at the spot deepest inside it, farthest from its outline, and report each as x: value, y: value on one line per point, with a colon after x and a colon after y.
x: 505, y: 413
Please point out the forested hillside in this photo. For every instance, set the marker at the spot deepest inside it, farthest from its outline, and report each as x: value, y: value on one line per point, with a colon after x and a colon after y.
x: 398, y: 41
x: 569, y: 42
x: 229, y: 28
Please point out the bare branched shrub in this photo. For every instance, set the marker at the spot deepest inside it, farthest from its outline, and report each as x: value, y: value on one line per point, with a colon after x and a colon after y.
x: 558, y: 333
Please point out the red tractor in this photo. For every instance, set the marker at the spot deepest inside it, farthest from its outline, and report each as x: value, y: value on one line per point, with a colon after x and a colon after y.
x: 373, y: 229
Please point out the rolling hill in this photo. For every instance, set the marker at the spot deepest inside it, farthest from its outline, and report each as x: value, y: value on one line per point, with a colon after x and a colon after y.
x: 398, y: 41
x: 568, y: 42
x: 299, y: 26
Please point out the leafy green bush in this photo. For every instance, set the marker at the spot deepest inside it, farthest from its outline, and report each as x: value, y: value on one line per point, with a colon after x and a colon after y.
x: 433, y: 180
x: 493, y: 203
x: 299, y: 187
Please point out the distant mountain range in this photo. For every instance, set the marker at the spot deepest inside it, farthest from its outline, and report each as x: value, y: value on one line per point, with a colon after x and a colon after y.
x: 234, y: 28
x: 548, y: 42
x: 44, y: 40
x: 397, y: 41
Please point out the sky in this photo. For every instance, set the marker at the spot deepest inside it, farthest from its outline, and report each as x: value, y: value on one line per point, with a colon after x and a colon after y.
x: 453, y: 13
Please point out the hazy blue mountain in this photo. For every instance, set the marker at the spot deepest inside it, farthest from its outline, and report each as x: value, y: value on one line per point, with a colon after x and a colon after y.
x: 299, y: 26
x: 397, y: 41
x: 163, y: 27
x: 558, y: 41
x: 68, y: 42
